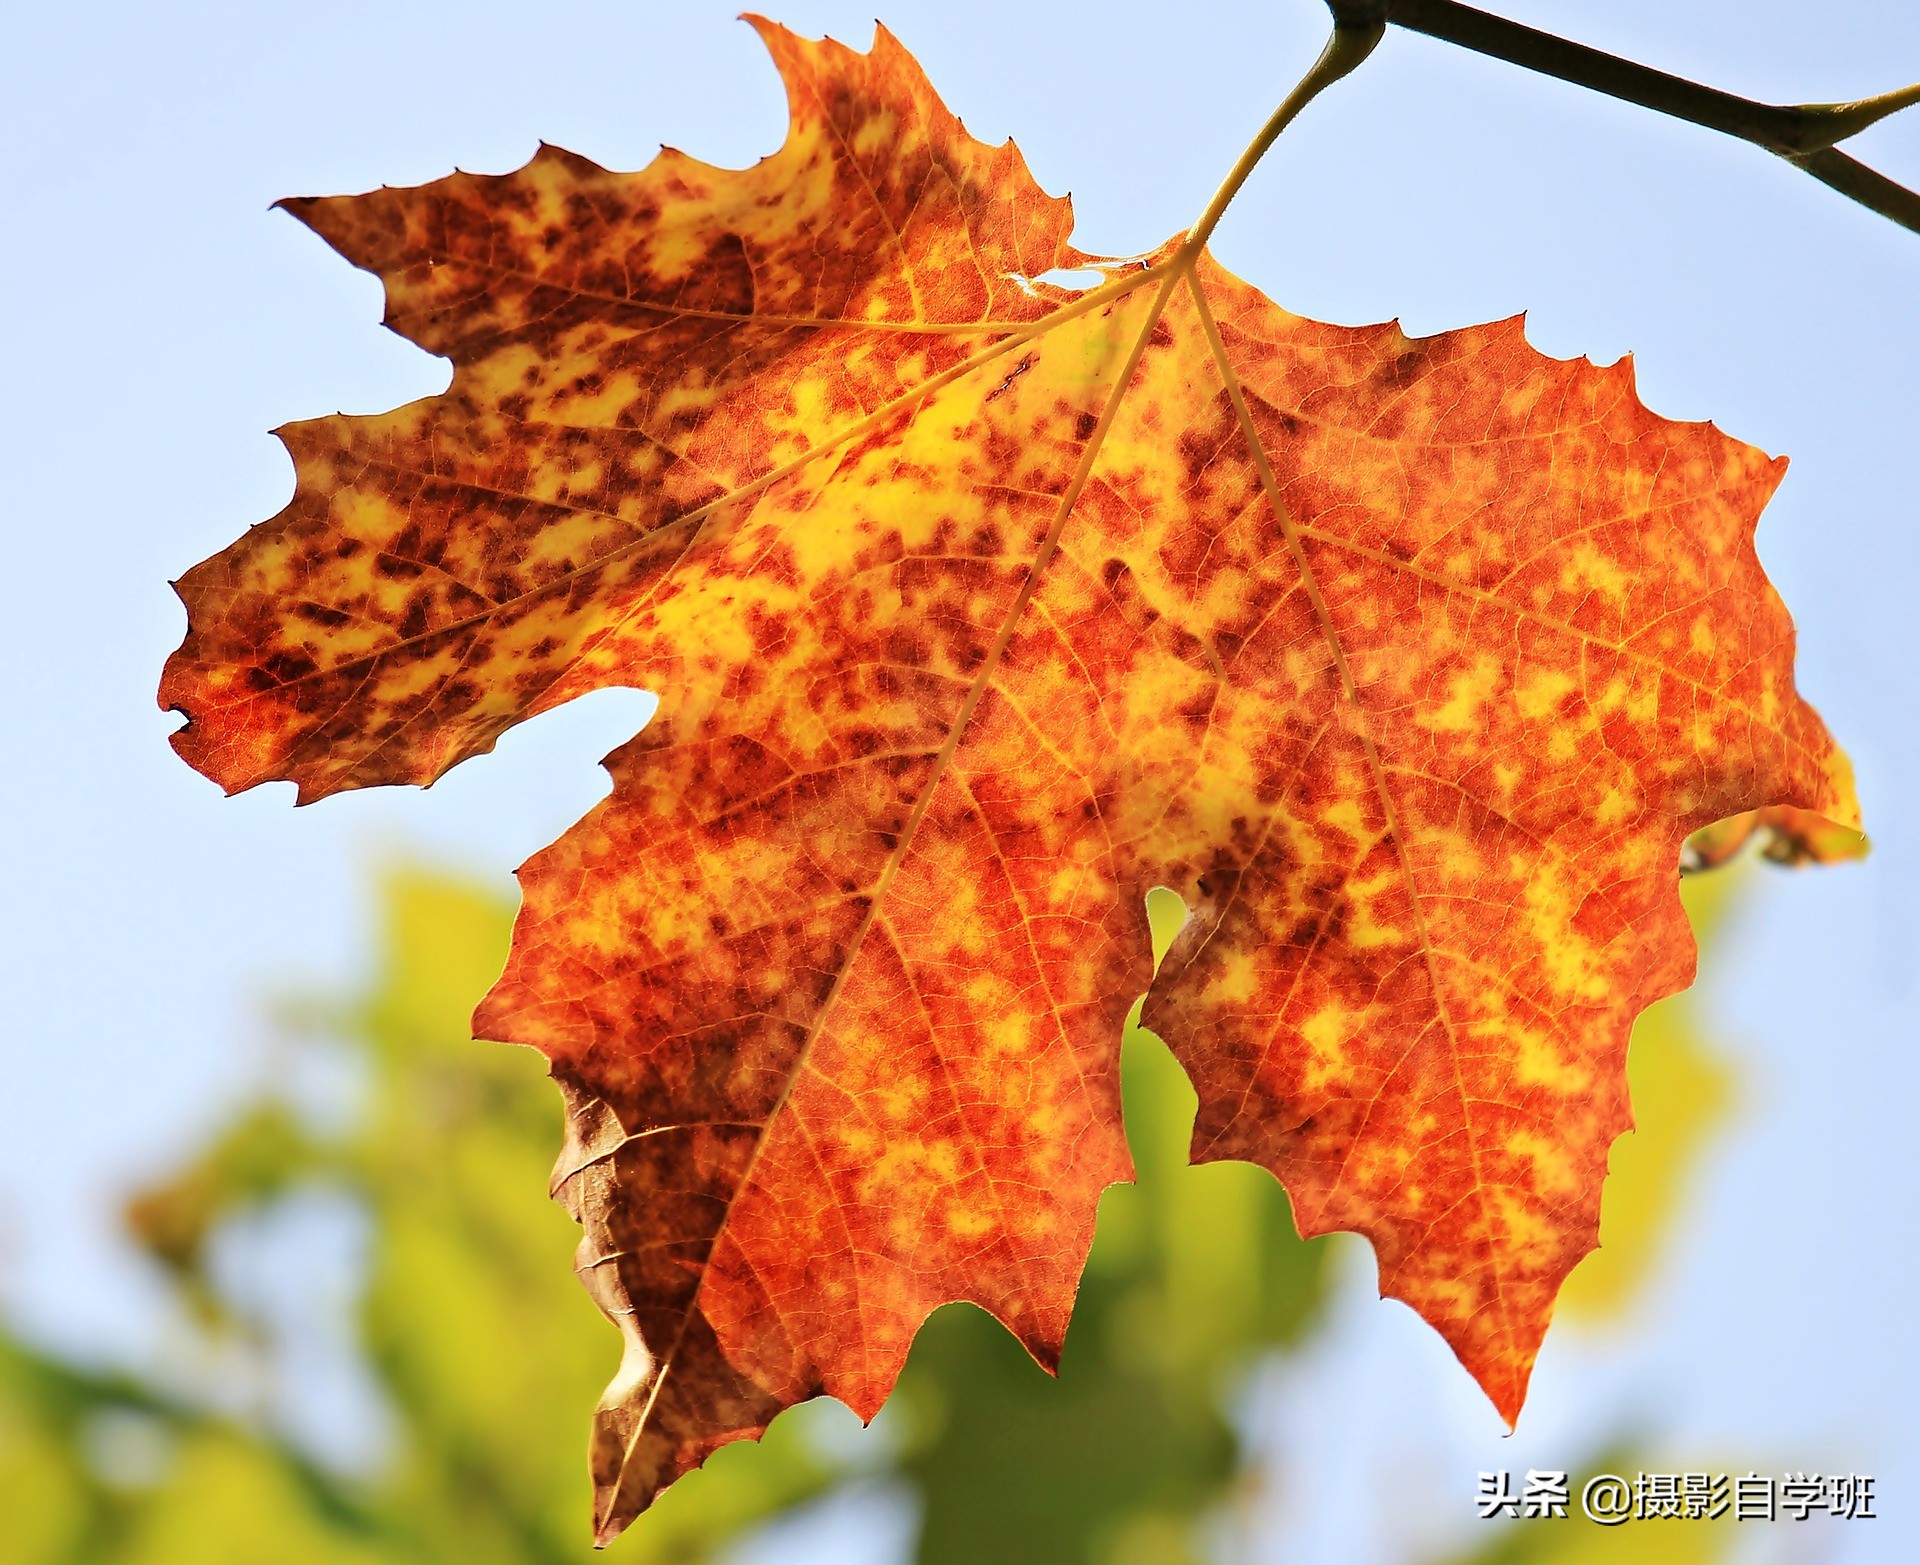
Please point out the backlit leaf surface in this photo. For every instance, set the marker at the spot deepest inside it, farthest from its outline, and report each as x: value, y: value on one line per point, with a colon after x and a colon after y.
x: 977, y: 608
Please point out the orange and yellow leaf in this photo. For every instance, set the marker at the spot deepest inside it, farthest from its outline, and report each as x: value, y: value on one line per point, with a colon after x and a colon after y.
x: 977, y: 608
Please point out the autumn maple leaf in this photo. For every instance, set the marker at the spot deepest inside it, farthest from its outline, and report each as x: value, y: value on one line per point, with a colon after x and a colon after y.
x: 978, y: 607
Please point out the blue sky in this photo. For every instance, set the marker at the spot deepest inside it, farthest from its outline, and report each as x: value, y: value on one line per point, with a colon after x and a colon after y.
x: 159, y: 319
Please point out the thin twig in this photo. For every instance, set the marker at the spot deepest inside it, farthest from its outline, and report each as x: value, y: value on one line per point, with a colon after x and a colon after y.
x: 1803, y: 133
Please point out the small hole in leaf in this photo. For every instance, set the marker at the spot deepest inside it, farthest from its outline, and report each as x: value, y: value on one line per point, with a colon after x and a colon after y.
x: 1073, y: 279
x: 1078, y: 279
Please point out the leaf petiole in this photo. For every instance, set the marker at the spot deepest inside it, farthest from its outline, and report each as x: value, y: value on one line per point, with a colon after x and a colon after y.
x: 1351, y: 43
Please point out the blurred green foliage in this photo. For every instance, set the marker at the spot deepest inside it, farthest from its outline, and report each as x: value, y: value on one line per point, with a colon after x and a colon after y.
x: 487, y: 1350
x: 489, y: 1354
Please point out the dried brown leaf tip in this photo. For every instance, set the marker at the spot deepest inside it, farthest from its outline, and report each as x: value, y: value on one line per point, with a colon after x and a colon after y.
x: 977, y: 608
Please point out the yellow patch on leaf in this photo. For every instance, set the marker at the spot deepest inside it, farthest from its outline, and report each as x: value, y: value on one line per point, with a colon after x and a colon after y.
x: 976, y: 609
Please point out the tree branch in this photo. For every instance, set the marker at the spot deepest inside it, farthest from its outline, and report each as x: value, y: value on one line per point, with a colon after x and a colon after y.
x: 1803, y: 133
x: 1870, y: 188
